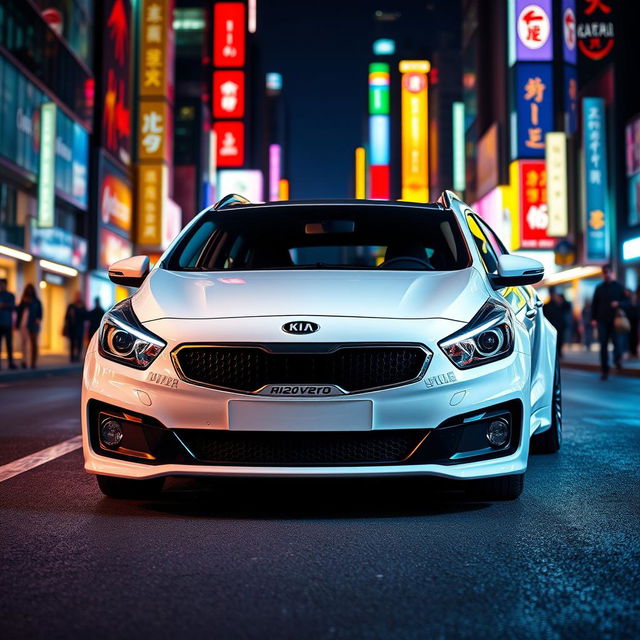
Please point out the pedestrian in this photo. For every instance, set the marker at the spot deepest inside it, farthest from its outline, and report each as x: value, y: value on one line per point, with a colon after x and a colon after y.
x: 74, y: 326
x: 28, y: 322
x: 634, y: 317
x: 587, y: 329
x: 7, y: 307
x: 95, y: 317
x: 608, y: 298
x: 555, y: 311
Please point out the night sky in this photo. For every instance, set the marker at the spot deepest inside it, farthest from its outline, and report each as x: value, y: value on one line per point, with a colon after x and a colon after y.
x: 322, y: 50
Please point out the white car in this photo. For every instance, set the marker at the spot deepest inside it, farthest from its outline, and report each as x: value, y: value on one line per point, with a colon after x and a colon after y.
x: 324, y: 339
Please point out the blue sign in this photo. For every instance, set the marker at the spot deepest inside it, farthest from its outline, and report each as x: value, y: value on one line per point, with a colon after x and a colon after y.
x: 570, y: 99
x: 597, y: 223
x: 533, y: 87
x: 569, y: 32
x: 379, y: 140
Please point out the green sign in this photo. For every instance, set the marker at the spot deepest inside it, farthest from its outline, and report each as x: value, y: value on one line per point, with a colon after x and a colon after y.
x: 378, y: 89
x: 47, y: 177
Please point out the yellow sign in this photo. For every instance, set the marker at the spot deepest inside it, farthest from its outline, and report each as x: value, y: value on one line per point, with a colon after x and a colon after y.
x: 152, y: 196
x: 154, y: 64
x: 153, y: 135
x: 556, y: 163
x: 415, y: 169
x: 361, y: 169
x: 512, y: 204
x: 283, y: 189
x: 414, y: 66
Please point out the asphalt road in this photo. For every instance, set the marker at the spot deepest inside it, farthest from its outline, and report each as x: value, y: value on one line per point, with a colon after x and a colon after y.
x: 339, y: 559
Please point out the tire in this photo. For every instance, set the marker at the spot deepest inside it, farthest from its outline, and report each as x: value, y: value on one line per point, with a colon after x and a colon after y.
x: 550, y: 440
x: 498, y: 488
x: 122, y: 488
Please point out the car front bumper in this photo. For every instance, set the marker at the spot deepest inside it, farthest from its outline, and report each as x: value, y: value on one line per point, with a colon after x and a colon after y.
x: 444, y: 398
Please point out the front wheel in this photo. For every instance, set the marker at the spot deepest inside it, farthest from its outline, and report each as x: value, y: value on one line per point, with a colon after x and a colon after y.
x: 123, y: 488
x: 550, y: 440
x: 498, y: 488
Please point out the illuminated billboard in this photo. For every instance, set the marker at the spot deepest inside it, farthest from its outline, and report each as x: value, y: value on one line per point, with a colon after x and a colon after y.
x: 415, y: 169
x: 534, y: 215
x: 556, y: 163
x: 115, y: 78
x: 229, y: 20
x: 47, y: 175
x: 597, y: 223
x: 245, y: 182
x: 230, y: 143
x: 275, y: 168
x: 228, y: 94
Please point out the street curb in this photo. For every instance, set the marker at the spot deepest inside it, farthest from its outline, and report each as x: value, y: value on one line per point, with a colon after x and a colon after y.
x: 628, y: 373
x: 30, y: 374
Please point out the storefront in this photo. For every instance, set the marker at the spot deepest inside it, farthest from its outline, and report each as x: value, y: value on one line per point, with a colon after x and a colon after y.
x: 44, y: 199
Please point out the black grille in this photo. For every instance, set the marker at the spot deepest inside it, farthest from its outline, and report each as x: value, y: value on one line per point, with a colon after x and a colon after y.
x: 249, y: 368
x: 269, y: 448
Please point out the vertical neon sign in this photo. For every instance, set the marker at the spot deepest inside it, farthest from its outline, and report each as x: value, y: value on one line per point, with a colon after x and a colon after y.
x: 379, y: 127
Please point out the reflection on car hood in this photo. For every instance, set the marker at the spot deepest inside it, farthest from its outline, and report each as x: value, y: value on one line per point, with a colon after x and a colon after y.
x: 455, y: 295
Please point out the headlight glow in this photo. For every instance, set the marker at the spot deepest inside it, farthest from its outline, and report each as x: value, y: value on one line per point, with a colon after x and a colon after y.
x: 488, y: 337
x: 123, y: 339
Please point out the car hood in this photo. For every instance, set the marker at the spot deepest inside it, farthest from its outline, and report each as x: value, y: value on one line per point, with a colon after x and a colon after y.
x: 455, y: 295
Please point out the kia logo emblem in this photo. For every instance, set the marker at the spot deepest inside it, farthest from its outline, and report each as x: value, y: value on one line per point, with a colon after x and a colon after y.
x: 298, y: 327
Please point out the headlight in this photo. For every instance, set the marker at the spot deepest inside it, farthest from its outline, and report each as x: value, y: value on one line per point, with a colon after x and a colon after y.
x: 488, y: 337
x: 123, y: 338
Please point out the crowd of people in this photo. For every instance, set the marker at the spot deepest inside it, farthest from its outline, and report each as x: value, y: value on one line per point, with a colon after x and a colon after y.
x: 612, y: 317
x: 25, y: 318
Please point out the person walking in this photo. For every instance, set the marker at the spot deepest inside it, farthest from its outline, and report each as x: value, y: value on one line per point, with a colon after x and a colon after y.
x: 608, y: 298
x: 555, y: 311
x: 633, y: 313
x: 28, y: 321
x: 95, y: 317
x: 7, y: 307
x: 74, y: 326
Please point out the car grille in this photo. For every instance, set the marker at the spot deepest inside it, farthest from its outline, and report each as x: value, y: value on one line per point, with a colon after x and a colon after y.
x: 248, y: 369
x: 293, y: 448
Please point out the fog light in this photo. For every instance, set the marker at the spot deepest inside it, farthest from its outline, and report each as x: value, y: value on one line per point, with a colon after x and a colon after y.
x: 498, y: 433
x: 111, y: 433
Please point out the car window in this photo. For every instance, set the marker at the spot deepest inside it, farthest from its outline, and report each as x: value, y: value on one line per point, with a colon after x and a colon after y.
x: 496, y: 244
x: 323, y: 237
x: 485, y: 248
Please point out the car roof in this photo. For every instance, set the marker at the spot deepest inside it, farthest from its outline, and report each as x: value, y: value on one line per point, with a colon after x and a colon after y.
x: 236, y: 205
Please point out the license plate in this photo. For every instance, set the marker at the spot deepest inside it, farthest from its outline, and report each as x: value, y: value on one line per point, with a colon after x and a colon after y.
x: 316, y: 415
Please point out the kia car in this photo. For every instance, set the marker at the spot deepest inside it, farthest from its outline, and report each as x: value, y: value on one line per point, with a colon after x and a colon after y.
x: 324, y: 339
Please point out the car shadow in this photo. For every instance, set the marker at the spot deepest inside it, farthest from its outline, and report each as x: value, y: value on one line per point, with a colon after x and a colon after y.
x: 335, y: 498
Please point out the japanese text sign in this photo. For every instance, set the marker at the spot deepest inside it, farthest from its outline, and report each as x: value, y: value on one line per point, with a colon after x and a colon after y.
x: 230, y: 141
x: 597, y: 224
x: 534, y: 108
x: 534, y: 217
x: 533, y: 30
x: 154, y: 136
x: 228, y: 94
x: 156, y: 44
x: 229, y: 34
x: 152, y: 195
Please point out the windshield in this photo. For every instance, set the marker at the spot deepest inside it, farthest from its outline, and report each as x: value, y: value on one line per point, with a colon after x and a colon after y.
x: 322, y: 237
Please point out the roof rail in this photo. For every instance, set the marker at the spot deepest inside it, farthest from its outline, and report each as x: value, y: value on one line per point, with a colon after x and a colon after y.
x: 446, y: 197
x: 229, y: 201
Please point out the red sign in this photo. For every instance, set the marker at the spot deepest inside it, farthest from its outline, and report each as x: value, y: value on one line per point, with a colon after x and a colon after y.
x: 379, y: 182
x: 534, y: 216
x: 229, y: 34
x: 116, y: 95
x: 230, y: 141
x: 228, y: 94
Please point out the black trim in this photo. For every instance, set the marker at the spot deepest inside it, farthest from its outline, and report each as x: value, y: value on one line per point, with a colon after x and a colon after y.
x: 456, y: 435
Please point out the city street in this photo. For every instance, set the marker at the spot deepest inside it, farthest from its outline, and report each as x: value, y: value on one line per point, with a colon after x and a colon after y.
x: 320, y: 559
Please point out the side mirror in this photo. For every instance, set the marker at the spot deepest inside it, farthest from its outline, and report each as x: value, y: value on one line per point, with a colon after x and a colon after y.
x: 130, y: 272
x: 515, y: 271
